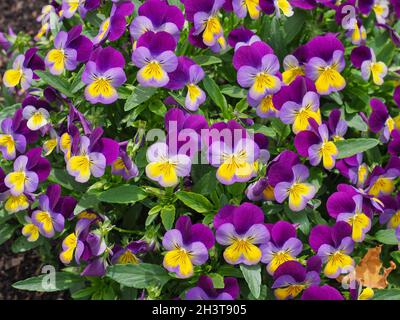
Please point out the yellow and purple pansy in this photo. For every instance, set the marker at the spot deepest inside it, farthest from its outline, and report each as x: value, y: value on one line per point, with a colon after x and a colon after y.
x: 380, y: 121
x: 165, y: 167
x: 103, y: 74
x: 130, y: 254
x: 186, y: 246
x: 334, y: 246
x: 205, y: 290
x: 283, y: 246
x: 154, y: 56
x: 242, y: 230
x: 70, y: 7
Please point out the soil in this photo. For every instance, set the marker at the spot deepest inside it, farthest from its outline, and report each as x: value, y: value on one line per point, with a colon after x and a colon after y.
x: 20, y: 15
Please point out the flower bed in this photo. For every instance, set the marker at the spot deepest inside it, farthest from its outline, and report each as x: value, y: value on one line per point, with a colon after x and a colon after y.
x: 205, y: 149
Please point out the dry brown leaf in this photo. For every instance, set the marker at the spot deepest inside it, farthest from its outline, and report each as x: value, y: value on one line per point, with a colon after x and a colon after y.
x: 370, y: 271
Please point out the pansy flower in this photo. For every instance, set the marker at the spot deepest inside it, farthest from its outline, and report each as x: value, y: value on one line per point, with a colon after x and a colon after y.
x: 114, y: 27
x: 391, y: 214
x: 165, y: 167
x: 283, y: 246
x: 260, y: 76
x: 334, y: 246
x: 30, y: 230
x: 243, y: 7
x: 207, y: 25
x: 22, y: 70
x: 316, y: 145
x: 381, y: 10
x: 70, y: 48
x: 184, y: 131
x: 91, y: 155
x: 65, y: 205
x: 297, y: 190
x: 292, y: 69
x: 205, y: 290
x: 358, y: 293
x: 188, y: 74
x: 394, y: 144
x: 353, y: 214
x: 324, y: 292
x: 21, y: 180
x: 291, y: 278
x: 242, y: 37
x: 380, y: 120
x: 103, y: 74
x: 187, y: 246
x: 337, y: 126
x: 12, y: 140
x: 369, y: 65
x: 242, y: 230
x: 130, y: 253
x: 124, y: 166
x: 154, y: 56
x: 157, y: 15
x: 36, y: 118
x: 47, y: 220
x: 270, y: 6
x: 298, y: 114
x: 235, y: 156
x: 325, y: 61
x: 70, y: 7
x: 382, y: 181
x: 354, y: 169
x: 260, y: 190
x: 12, y: 204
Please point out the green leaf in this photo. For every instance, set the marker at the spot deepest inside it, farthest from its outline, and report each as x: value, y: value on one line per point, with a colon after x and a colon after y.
x: 267, y: 131
x: 63, y: 281
x: 139, y: 95
x: 61, y: 177
x: 168, y: 216
x: 234, y: 91
x: 197, y: 202
x: 158, y: 108
x: 77, y: 84
x: 88, y: 201
x: 23, y: 245
x: 6, y: 232
x: 218, y: 280
x: 396, y: 256
x: 206, y: 60
x: 388, y: 294
x: 56, y: 82
x: 123, y: 194
x: 294, y: 25
x: 8, y: 111
x: 230, y: 271
x: 387, y: 236
x: 215, y: 94
x: 350, y: 147
x: 139, y: 276
x: 252, y: 275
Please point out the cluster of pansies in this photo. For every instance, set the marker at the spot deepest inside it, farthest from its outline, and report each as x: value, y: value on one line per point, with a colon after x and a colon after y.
x: 216, y: 149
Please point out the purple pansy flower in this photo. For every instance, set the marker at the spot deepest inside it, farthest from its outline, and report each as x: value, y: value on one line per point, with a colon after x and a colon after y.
x: 103, y: 74
x: 380, y: 120
x: 22, y: 70
x: 205, y: 290
x: 155, y: 57
x: 184, y: 131
x: 70, y: 7
x: 394, y: 144
x: 124, y: 166
x: 354, y: 169
x: 233, y: 152
x: 242, y: 37
x: 46, y: 219
x: 188, y: 74
x: 325, y: 61
x: 382, y: 181
x: 13, y: 204
x: 114, y: 27
x: 244, y: 7
x: 324, y: 292
x: 21, y: 180
x: 207, y: 26
x: 70, y: 48
x: 12, y: 139
x: 337, y: 126
x: 391, y: 214
x: 157, y: 15
x: 187, y: 245
x: 130, y: 253
x: 270, y: 6
x: 334, y: 246
x: 316, y: 145
x: 297, y: 190
x: 291, y: 278
x: 166, y: 165
x: 242, y: 230
x: 283, y: 246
